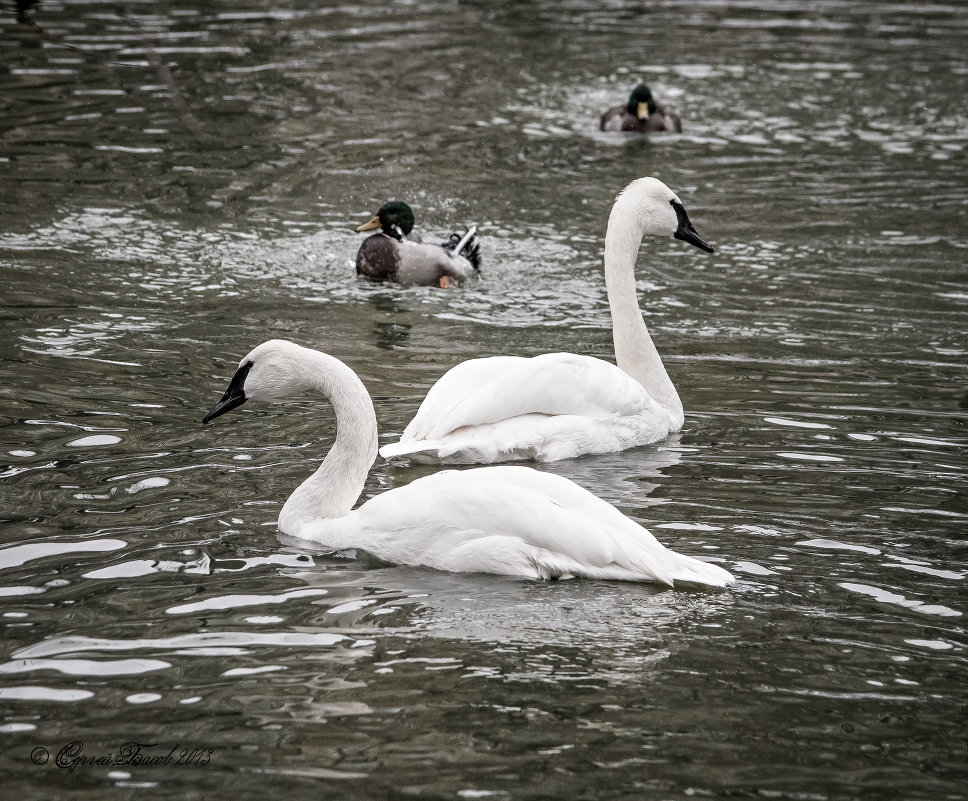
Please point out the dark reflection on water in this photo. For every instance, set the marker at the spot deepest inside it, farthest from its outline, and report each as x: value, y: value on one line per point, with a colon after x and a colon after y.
x: 153, y: 229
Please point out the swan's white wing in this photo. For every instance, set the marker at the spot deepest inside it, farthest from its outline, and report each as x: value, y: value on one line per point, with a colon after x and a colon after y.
x: 480, y: 391
x: 544, y: 438
x: 512, y: 521
x: 553, y: 406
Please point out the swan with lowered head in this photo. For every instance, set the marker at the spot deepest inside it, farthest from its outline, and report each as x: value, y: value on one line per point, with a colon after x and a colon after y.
x: 397, y: 254
x: 561, y: 405
x: 512, y: 521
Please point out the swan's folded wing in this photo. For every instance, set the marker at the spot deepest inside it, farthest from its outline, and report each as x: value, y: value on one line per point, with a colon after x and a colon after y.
x: 481, y: 391
x: 517, y: 521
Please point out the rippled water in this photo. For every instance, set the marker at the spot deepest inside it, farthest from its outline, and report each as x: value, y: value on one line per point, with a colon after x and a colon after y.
x: 148, y: 241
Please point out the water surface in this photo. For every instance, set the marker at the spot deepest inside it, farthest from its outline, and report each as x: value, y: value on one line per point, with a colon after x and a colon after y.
x: 156, y: 222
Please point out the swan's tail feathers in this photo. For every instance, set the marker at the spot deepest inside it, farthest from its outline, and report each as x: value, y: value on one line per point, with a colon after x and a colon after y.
x: 688, y: 570
x: 408, y: 448
x: 667, y: 568
x: 467, y: 246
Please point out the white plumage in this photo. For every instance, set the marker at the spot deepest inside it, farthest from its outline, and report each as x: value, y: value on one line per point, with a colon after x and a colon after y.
x: 513, y: 521
x: 561, y: 405
x: 549, y: 407
x: 507, y: 520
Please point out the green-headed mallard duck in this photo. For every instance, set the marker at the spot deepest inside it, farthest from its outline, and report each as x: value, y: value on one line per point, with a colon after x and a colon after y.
x: 395, y: 254
x: 642, y: 113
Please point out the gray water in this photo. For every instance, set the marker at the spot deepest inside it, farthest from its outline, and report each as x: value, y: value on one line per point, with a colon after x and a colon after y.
x: 155, y: 226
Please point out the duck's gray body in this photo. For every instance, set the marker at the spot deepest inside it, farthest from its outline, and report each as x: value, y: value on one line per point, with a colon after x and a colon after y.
x: 617, y: 118
x: 383, y: 258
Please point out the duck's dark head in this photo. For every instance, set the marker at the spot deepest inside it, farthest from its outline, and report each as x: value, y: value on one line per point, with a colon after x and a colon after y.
x: 393, y: 218
x: 641, y: 103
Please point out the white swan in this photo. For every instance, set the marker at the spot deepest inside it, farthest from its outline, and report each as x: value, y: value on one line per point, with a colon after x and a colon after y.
x: 513, y: 521
x: 561, y: 405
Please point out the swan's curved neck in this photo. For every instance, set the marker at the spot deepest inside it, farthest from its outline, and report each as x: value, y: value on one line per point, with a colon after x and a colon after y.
x: 635, y: 353
x: 332, y: 490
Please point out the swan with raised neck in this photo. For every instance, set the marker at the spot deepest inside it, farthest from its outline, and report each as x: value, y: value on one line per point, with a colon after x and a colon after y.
x: 634, y: 215
x: 506, y: 520
x: 278, y: 369
x: 561, y: 405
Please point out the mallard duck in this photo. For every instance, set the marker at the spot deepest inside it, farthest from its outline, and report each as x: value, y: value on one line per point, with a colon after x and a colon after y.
x: 561, y: 405
x: 642, y: 113
x: 512, y: 521
x: 397, y: 254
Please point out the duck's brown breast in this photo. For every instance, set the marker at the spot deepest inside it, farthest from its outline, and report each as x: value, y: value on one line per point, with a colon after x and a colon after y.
x: 378, y: 258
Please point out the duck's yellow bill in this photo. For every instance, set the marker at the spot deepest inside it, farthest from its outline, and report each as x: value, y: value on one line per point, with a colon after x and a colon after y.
x: 370, y: 225
x: 643, y: 111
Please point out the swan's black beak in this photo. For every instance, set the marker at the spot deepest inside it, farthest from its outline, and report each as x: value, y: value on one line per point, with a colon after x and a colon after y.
x: 685, y: 231
x: 234, y: 395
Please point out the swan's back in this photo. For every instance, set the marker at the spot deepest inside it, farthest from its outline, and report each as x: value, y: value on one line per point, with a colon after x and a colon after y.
x: 549, y: 407
x: 481, y: 391
x: 512, y: 521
